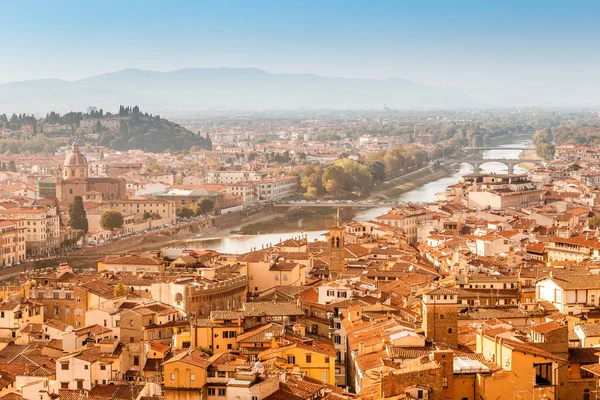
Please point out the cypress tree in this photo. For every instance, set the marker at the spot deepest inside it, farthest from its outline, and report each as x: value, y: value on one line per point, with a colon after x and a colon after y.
x: 78, y: 215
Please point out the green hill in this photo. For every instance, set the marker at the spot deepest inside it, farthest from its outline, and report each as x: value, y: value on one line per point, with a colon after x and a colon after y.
x: 152, y: 134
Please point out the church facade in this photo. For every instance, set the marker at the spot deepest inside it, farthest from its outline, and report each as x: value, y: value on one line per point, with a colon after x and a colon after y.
x: 72, y: 179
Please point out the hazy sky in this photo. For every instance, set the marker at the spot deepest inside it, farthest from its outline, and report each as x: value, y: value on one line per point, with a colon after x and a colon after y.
x: 469, y: 43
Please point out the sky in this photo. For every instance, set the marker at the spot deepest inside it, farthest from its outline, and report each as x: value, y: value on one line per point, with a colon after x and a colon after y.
x: 454, y: 43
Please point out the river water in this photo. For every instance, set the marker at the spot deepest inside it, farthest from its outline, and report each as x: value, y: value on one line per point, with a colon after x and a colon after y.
x: 238, y: 244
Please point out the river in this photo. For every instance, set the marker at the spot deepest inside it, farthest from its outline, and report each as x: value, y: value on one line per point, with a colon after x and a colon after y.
x: 237, y: 244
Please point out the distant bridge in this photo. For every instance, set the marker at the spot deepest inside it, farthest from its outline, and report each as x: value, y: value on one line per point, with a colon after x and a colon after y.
x: 337, y: 204
x: 494, y: 148
x: 510, y: 163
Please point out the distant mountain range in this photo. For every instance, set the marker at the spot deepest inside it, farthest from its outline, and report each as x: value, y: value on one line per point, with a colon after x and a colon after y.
x: 250, y: 89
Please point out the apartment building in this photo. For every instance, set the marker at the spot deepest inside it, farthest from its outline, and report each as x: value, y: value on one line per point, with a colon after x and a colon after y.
x: 40, y: 226
x: 407, y: 218
x: 227, y: 177
x: 570, y: 293
x: 498, y: 192
x: 12, y: 242
x: 273, y: 189
x: 137, y: 208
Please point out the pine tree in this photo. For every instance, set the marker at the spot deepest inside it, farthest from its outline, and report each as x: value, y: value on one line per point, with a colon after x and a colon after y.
x: 78, y: 215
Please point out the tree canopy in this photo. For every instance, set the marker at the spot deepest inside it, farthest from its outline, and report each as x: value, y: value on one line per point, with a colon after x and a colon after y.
x: 111, y: 220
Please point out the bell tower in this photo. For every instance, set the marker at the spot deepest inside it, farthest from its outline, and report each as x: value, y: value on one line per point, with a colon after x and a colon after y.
x: 439, y: 313
x: 336, y: 249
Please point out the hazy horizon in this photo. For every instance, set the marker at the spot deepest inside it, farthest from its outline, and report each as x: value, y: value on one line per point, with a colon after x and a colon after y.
x: 465, y: 44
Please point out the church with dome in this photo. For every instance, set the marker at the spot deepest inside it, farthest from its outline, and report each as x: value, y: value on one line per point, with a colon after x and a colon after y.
x: 72, y: 179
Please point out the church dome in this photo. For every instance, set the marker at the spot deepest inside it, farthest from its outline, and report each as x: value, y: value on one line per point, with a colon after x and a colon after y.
x: 75, y: 159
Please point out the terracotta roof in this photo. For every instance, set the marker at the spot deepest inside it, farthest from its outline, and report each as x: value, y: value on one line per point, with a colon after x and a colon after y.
x: 261, y: 334
x: 590, y: 330
x: 585, y: 355
x: 258, y: 309
x: 195, y: 357
x: 548, y: 327
x: 132, y: 259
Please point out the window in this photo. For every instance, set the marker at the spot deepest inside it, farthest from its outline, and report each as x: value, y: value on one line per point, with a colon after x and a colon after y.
x: 221, y: 392
x: 136, y: 360
x: 543, y: 374
x: 2, y: 314
x: 586, y: 394
x: 331, y: 293
x: 442, y: 316
x: 192, y: 377
x: 86, y: 367
x: 276, y: 277
x: 226, y: 335
x: 64, y: 385
x: 64, y: 366
x: 325, y: 376
x: 103, y: 368
x: 211, y: 391
x: 420, y: 394
x: 172, y: 377
x: 131, y: 323
x: 308, y: 358
x: 221, y: 374
x: 337, y: 339
x: 445, y: 382
x: 255, y: 398
x: 285, y: 277
x: 449, y: 330
x: 291, y: 360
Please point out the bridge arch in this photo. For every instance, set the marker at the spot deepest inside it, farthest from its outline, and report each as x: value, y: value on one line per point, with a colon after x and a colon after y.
x: 509, y: 163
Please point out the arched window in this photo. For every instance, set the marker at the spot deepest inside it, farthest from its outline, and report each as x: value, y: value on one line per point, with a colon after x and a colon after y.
x: 586, y: 394
x: 178, y: 298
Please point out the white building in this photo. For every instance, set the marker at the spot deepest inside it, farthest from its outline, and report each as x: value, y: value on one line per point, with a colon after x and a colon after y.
x: 570, y: 294
x: 225, y: 177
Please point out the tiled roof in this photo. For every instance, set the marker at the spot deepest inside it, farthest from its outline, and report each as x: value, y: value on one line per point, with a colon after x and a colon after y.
x: 258, y: 309
x: 56, y: 324
x: 195, y: 357
x: 577, y: 281
x: 32, y: 328
x: 593, y: 368
x: 586, y: 355
x: 11, y: 396
x: 132, y: 259
x: 100, y: 289
x: 260, y: 333
x: 441, y: 291
x: 524, y: 347
x: 590, y: 330
x: 548, y: 327
x: 110, y: 392
x: 92, y: 329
